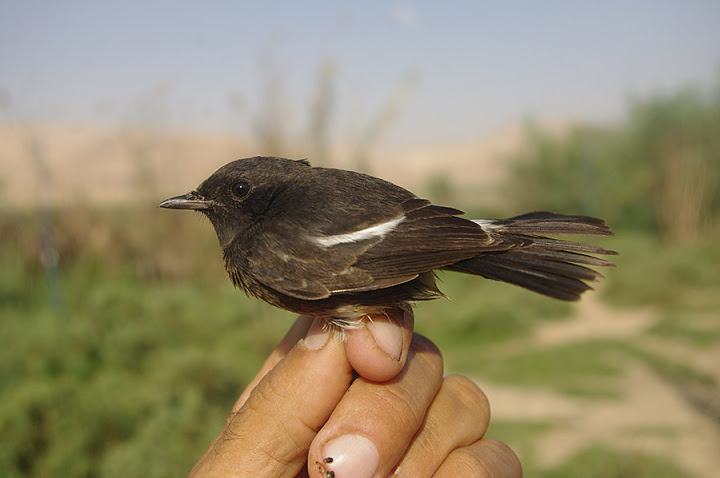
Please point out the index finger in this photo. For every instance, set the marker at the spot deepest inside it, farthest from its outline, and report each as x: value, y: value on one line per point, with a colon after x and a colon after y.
x: 271, y: 433
x: 377, y: 351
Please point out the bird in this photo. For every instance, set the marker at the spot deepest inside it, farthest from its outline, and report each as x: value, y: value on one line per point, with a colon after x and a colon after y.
x: 343, y: 245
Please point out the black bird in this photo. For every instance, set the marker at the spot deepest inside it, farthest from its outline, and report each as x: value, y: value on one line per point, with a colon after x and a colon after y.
x: 339, y: 244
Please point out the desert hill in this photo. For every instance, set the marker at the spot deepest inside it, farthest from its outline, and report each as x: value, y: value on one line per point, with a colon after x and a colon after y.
x: 64, y: 164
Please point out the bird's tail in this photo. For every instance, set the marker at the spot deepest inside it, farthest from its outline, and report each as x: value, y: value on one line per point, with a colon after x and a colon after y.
x: 552, y: 267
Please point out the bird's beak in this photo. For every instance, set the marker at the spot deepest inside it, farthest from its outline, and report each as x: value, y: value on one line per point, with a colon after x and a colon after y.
x: 191, y: 200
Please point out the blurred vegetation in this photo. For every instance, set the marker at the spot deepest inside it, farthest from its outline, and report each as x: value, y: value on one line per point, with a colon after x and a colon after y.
x: 135, y: 370
x: 658, y: 172
x: 133, y: 376
x: 602, y: 462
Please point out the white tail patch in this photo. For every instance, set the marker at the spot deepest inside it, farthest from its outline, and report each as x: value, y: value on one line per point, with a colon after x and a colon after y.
x: 488, y: 225
x: 378, y: 230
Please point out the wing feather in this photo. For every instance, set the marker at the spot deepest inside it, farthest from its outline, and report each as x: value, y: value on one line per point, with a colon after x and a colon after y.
x: 429, y: 237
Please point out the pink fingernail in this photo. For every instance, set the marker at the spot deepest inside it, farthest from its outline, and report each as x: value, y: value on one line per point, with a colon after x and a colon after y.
x: 317, y: 336
x: 350, y: 456
x: 389, y: 337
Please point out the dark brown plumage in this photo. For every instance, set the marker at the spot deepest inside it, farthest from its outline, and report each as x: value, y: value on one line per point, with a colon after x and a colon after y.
x: 340, y: 244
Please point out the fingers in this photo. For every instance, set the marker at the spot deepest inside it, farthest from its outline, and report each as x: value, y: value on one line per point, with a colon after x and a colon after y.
x: 269, y: 435
x: 457, y: 417
x: 415, y: 425
x: 485, y: 458
x: 379, y: 350
x: 371, y: 427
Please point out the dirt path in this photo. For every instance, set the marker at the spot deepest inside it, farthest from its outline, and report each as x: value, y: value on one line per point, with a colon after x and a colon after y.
x: 651, y: 414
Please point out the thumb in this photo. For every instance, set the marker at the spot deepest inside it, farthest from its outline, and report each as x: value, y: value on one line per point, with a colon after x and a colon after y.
x: 271, y: 433
x: 378, y: 350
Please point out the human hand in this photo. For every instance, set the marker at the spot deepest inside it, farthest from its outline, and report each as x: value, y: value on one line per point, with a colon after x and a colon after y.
x: 304, y: 415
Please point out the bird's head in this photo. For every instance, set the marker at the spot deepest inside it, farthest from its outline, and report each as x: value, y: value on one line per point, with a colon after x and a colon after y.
x: 241, y: 193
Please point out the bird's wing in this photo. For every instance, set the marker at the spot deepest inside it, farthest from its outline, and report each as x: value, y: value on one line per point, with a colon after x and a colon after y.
x: 419, y: 238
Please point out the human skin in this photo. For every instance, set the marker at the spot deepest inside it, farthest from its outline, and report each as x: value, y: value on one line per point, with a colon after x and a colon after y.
x: 373, y: 402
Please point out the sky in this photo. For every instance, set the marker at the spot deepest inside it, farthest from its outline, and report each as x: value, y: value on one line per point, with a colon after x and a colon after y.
x: 435, y: 71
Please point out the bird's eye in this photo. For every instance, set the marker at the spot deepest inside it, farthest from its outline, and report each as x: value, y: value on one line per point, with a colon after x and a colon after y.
x: 240, y: 189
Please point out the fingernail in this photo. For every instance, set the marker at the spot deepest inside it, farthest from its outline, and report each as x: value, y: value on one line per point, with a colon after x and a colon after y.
x: 351, y: 456
x: 317, y: 336
x: 388, y: 335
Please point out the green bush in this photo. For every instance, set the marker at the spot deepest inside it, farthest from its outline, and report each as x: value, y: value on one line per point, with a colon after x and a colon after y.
x: 657, y: 172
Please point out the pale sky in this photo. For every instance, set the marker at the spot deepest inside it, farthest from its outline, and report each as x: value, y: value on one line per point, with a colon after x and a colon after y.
x: 466, y: 67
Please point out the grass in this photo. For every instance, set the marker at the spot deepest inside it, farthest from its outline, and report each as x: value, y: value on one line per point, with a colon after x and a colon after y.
x: 135, y: 371
x: 671, y: 278
x: 604, y: 462
x: 696, y: 328
x: 579, y: 369
x: 133, y: 358
x: 482, y: 312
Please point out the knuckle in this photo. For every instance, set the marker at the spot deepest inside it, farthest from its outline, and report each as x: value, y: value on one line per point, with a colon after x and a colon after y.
x: 467, y: 393
x: 426, y: 351
x: 467, y: 462
x: 421, y: 343
x: 486, y: 458
x: 402, y: 406
x: 506, y: 458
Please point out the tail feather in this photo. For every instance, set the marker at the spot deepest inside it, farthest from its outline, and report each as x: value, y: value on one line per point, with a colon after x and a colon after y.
x: 569, y: 246
x: 543, y: 222
x: 553, y: 267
